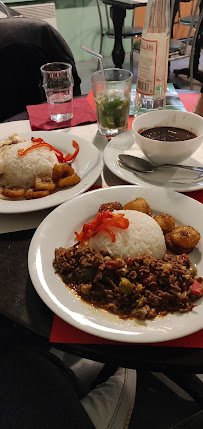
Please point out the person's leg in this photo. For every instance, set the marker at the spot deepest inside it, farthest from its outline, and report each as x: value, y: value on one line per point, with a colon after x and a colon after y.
x: 86, y: 371
x: 37, y: 391
x: 111, y: 403
x: 106, y: 391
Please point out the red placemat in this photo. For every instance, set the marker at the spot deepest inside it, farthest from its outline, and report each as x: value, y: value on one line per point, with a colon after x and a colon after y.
x: 40, y: 119
x: 63, y: 332
x: 189, y: 100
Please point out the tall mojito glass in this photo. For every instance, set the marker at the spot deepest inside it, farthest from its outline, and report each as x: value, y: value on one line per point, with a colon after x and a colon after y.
x: 112, y: 100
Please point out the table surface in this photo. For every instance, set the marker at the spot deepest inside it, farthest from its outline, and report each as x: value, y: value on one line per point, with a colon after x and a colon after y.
x: 20, y: 303
x: 126, y: 4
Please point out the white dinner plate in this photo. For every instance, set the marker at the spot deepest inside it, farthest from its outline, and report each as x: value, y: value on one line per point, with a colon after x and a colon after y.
x: 88, y: 165
x: 162, y: 177
x: 58, y: 230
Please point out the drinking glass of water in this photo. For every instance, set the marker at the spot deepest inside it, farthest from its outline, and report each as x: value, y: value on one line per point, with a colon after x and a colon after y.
x: 112, y: 91
x: 58, y: 86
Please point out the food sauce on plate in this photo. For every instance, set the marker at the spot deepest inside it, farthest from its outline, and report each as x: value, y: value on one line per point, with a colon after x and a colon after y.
x: 167, y: 134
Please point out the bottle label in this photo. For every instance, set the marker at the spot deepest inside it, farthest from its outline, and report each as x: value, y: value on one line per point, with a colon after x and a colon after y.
x: 152, y: 69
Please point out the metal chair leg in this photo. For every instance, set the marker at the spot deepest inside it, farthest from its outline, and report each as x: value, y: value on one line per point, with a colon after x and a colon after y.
x: 195, y: 421
x: 131, y: 56
x: 5, y: 9
x: 190, y: 383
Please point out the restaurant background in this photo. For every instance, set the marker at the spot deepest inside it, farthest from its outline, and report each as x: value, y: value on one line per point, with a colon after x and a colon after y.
x: 78, y: 22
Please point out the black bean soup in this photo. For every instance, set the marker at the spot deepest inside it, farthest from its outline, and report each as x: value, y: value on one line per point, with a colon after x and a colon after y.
x: 167, y: 134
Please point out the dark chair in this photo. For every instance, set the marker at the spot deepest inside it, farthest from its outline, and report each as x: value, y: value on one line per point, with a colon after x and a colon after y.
x: 195, y: 23
x: 179, y: 48
x: 25, y: 45
x: 186, y: 20
x: 106, y: 29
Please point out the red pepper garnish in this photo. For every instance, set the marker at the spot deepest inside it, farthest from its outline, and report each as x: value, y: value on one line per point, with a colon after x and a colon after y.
x: 101, y: 222
x: 197, y: 288
x: 70, y: 157
x: 37, y: 140
x: 41, y: 143
x: 58, y: 153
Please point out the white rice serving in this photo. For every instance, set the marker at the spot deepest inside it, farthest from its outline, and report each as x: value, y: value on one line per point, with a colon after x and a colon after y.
x: 22, y: 170
x: 143, y: 236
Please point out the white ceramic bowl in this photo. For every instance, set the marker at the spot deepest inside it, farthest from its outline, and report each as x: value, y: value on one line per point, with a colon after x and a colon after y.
x: 160, y: 152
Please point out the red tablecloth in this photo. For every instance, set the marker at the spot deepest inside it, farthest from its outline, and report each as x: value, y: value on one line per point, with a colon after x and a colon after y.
x: 189, y: 100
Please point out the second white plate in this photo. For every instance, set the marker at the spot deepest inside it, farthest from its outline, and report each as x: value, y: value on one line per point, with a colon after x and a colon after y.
x: 161, y: 177
x: 88, y: 165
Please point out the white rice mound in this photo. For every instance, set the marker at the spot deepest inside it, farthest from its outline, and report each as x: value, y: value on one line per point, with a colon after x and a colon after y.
x: 143, y: 236
x: 22, y: 170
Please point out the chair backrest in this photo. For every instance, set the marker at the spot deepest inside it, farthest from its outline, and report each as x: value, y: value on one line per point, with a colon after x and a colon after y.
x: 100, y: 17
x: 25, y: 45
x: 192, y: 25
x: 192, y: 9
x: 192, y: 6
x: 107, y: 16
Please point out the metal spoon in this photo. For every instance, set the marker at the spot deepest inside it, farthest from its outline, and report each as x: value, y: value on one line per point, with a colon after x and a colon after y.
x: 143, y: 166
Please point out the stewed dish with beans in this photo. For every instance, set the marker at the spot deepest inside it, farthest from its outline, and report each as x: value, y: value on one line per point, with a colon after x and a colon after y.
x: 167, y: 134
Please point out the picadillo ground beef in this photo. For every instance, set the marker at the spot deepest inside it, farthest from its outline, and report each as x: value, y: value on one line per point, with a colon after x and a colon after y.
x: 141, y: 287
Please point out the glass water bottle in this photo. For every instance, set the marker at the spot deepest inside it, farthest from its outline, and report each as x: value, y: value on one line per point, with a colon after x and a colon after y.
x: 153, y: 62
